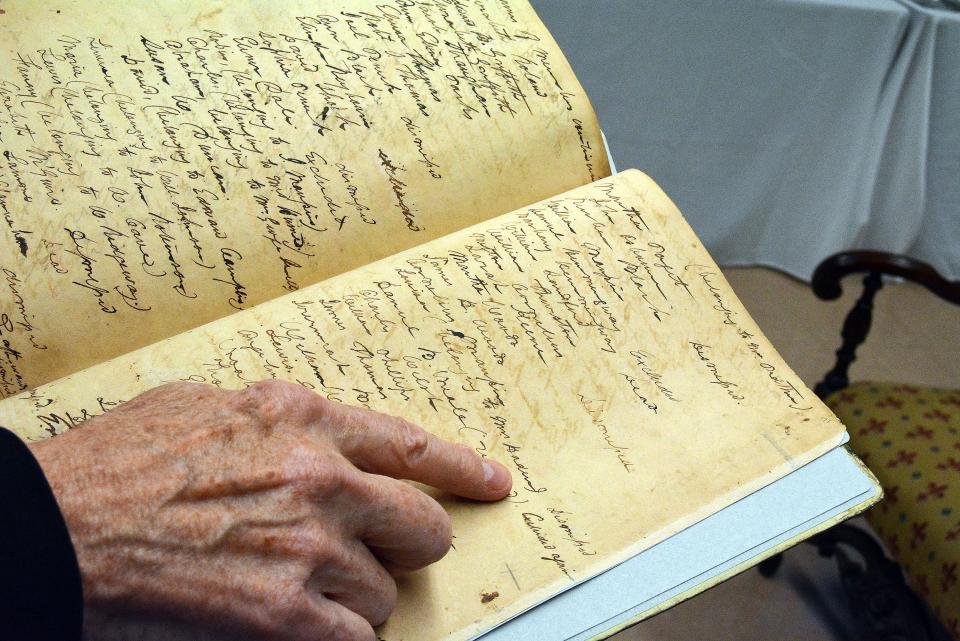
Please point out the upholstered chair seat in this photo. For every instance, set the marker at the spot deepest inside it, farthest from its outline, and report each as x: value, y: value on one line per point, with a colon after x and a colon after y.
x: 910, y: 438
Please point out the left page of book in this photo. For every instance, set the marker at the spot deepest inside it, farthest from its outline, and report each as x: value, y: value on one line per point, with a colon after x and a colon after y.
x: 163, y: 164
x: 588, y: 342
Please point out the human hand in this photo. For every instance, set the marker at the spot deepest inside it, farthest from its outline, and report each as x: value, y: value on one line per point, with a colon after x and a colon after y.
x: 268, y: 513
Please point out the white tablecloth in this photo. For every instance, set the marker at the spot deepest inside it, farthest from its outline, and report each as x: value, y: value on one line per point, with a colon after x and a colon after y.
x: 936, y: 60
x: 785, y: 130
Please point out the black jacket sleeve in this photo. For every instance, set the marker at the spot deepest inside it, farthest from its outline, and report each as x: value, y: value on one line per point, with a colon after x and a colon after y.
x: 40, y: 589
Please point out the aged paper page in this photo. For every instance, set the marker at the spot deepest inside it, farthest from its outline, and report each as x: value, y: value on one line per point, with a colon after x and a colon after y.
x: 587, y: 341
x: 168, y: 163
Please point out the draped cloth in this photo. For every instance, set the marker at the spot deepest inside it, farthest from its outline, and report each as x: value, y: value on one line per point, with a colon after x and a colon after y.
x: 785, y: 130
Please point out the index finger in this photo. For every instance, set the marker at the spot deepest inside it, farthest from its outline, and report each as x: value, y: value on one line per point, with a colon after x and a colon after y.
x: 387, y: 445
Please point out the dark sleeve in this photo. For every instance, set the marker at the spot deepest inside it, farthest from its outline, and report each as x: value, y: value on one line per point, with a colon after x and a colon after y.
x: 40, y: 589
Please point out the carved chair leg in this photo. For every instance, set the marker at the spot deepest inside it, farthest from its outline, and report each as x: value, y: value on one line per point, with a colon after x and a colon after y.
x: 883, y: 604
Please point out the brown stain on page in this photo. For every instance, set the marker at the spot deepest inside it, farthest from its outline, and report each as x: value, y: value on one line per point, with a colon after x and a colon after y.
x: 487, y: 597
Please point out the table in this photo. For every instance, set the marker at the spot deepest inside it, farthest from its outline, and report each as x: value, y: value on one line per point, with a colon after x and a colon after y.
x: 785, y: 130
x: 936, y: 87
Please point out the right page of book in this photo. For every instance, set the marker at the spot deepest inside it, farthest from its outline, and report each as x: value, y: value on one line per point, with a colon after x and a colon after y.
x: 163, y: 164
x: 588, y: 341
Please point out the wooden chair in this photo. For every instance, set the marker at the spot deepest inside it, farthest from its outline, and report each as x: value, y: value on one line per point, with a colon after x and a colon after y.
x: 909, y: 436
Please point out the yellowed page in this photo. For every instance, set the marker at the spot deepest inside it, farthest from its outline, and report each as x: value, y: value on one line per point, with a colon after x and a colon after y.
x: 167, y: 163
x: 587, y: 341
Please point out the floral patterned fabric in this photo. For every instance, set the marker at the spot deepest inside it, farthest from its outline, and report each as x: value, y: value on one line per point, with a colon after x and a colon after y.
x: 910, y: 438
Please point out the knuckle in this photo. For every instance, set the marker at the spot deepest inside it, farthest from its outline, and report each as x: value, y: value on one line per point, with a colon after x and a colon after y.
x: 268, y: 390
x: 270, y: 386
x: 277, y: 400
x: 316, y: 473
x: 321, y: 406
x: 332, y: 479
x: 264, y: 398
x: 318, y: 548
x: 411, y: 442
x: 300, y: 465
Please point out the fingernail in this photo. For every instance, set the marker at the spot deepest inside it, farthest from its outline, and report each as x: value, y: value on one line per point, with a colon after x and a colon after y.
x: 495, y: 475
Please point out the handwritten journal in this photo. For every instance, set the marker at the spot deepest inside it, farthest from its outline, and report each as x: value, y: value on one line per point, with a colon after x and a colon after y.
x: 402, y: 205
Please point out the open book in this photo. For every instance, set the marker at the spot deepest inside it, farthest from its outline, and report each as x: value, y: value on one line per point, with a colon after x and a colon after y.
x: 407, y: 206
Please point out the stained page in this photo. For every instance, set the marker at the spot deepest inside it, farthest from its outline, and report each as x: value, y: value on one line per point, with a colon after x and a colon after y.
x: 588, y: 342
x: 168, y: 163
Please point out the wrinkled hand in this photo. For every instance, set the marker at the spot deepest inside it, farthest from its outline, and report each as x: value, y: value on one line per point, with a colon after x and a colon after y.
x: 269, y: 513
